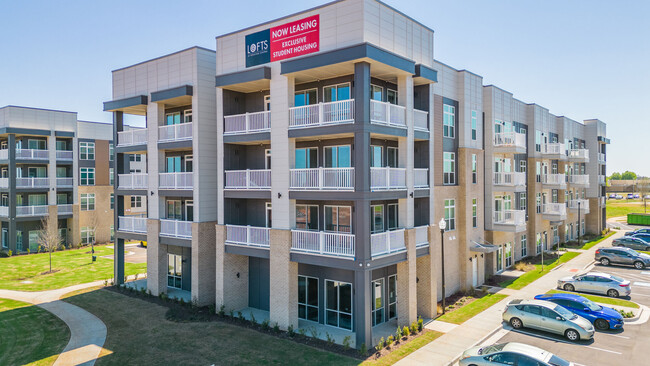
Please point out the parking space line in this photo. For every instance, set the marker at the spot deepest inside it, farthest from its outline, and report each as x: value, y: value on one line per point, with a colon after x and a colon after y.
x: 562, y: 341
x: 604, y: 350
x: 638, y: 294
x: 615, y: 335
x: 645, y: 272
x: 644, y: 284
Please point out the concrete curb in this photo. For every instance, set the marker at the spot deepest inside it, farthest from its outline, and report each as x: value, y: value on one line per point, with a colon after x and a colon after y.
x: 493, y: 332
x: 641, y: 318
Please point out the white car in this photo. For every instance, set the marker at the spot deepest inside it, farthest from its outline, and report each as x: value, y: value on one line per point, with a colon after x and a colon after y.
x: 597, y: 283
x: 511, y: 353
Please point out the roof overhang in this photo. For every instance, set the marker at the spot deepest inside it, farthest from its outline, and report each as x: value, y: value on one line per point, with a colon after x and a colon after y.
x: 484, y: 247
x: 174, y: 97
x: 132, y: 105
x: 604, y: 140
x: 424, y: 75
x: 246, y: 81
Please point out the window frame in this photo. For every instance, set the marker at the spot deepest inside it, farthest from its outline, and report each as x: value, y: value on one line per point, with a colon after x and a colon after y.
x: 86, y: 150
x: 307, y: 304
x: 448, y: 121
x: 474, y: 119
x: 524, y: 245
x: 450, y: 214
x: 86, y: 181
x: 448, y: 161
x: 90, y: 202
x: 474, y: 212
x: 338, y: 225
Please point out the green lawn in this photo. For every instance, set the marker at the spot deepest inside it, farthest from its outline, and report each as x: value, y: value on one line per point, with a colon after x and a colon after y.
x: 30, y: 335
x: 601, y: 299
x: 468, y: 311
x: 549, y: 263
x: 404, y: 350
x: 72, y: 266
x: 600, y: 238
x: 617, y: 208
x: 139, y: 334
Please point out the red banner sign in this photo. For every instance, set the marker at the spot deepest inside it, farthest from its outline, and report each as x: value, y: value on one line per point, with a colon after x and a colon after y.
x: 295, y: 39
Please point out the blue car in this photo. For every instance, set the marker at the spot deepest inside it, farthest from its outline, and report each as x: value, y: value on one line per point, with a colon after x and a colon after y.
x: 602, y: 317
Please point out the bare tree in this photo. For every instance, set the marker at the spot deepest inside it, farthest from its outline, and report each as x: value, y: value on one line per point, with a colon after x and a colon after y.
x: 643, y: 186
x: 49, y: 237
x: 93, y: 224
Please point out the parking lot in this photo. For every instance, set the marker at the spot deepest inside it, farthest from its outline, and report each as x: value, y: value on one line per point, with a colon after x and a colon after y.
x: 628, y: 346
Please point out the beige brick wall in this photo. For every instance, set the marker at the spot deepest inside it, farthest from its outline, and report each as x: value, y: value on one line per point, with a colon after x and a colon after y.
x: 156, y: 260
x: 103, y: 212
x: 231, y: 290
x: 406, y: 282
x: 203, y: 263
x: 283, y: 277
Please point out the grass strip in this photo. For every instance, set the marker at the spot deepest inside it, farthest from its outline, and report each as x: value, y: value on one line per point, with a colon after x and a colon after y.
x: 600, y: 299
x: 525, y: 279
x: 462, y: 314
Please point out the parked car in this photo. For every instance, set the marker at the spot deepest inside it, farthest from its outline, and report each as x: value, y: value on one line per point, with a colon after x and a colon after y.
x: 596, y: 282
x: 613, y: 195
x: 630, y: 196
x: 632, y: 242
x: 601, y: 317
x: 646, y: 197
x: 638, y: 231
x: 511, y: 353
x: 642, y: 236
x: 619, y: 197
x: 547, y: 316
x: 619, y: 255
x: 636, y: 195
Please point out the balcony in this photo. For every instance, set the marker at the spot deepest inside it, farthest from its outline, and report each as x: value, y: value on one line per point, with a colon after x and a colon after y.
x: 22, y: 211
x: 176, y: 228
x: 420, y: 120
x: 388, y: 242
x: 601, y: 158
x: 510, y: 179
x: 32, y: 154
x: 32, y: 182
x: 322, y: 114
x: 421, y: 178
x: 259, y: 179
x: 133, y: 224
x: 510, y: 142
x: 132, y: 137
x: 579, y: 180
x: 66, y: 155
x: 248, y: 235
x: 171, y: 133
x: 554, y: 149
x: 387, y: 178
x: 176, y: 180
x: 384, y: 113
x: 510, y: 217
x: 64, y: 182
x: 584, y: 206
x: 558, y: 180
x: 554, y: 211
x: 332, y: 179
x: 581, y: 155
x: 422, y: 236
x: 247, y: 123
x: 323, y: 243
x: 133, y: 181
x: 4, y: 154
x: 601, y: 180
x: 64, y: 209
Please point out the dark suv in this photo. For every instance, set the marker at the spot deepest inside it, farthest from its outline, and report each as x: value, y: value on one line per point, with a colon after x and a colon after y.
x: 638, y: 231
x: 627, y: 256
x: 631, y: 242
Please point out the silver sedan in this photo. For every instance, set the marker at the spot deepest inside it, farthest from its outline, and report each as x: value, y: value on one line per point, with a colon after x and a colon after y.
x: 596, y: 282
x: 511, y: 353
x: 549, y: 317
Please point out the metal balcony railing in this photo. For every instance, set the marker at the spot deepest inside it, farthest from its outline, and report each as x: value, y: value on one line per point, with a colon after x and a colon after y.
x: 579, y: 154
x: 64, y: 209
x: 248, y: 179
x: 176, y: 228
x: 385, y: 113
x: 32, y: 154
x: 32, y: 210
x: 554, y: 209
x: 509, y: 179
x: 324, y: 243
x: 64, y: 155
x: 132, y: 137
x: 133, y: 224
x: 510, y: 139
x: 322, y: 114
x: 553, y: 148
x: 42, y: 182
x: 554, y: 179
x: 248, y: 235
x: 584, y: 205
x: 387, y: 178
x: 176, y: 180
x: 387, y: 242
x: 510, y: 217
x: 422, y: 236
x: 322, y: 179
x: 579, y: 179
x: 179, y: 132
x: 420, y: 120
x: 133, y: 181
x: 421, y: 177
x: 247, y: 123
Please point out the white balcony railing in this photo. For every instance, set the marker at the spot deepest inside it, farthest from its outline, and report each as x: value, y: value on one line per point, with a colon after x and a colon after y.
x: 132, y: 137
x: 133, y: 224
x: 553, y: 148
x: 32, y: 154
x: 579, y: 179
x: 64, y: 182
x: 509, y: 179
x: 64, y: 155
x: 385, y: 113
x: 322, y: 114
x: 248, y: 235
x: 176, y: 180
x: 4, y: 154
x: 554, y: 209
x: 4, y: 211
x: 387, y: 242
x: 31, y: 210
x: 247, y: 123
x: 554, y: 179
x: 420, y: 120
x: 421, y: 177
x: 176, y: 228
x: 422, y: 236
x: 248, y: 179
x: 339, y: 179
x: 4, y: 182
x: 584, y: 205
x: 32, y: 182
x: 601, y: 179
x: 579, y: 154
x: 601, y: 158
x: 133, y: 181
x: 178, y: 132
x: 325, y: 243
x: 510, y: 139
x: 64, y: 209
x: 510, y: 217
x: 387, y: 178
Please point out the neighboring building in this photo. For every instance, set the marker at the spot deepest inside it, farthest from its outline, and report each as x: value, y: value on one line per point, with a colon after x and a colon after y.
x: 309, y: 189
x: 54, y: 165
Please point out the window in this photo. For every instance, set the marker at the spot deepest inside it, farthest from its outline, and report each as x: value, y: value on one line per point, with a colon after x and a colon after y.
x: 306, y: 158
x: 448, y: 121
x: 393, y: 214
x: 111, y: 150
x: 33, y: 240
x: 307, y: 217
x: 173, y: 118
x: 61, y: 145
x: 377, y: 223
x: 376, y: 156
x: 538, y: 203
x: 499, y: 259
x: 522, y: 201
x: 474, y: 169
x: 524, y: 244
x: 305, y: 97
x: 37, y: 144
x: 174, y: 270
x: 474, y: 213
x: 505, y: 358
x: 19, y: 241
x: 135, y: 157
x: 336, y: 92
x: 392, y: 158
x: 87, y: 176
x: 87, y: 151
x: 174, y: 210
x: 450, y: 214
x: 112, y: 201
x: 338, y: 219
x: 508, y: 254
x: 111, y: 176
x: 308, y: 298
x: 337, y: 156
x: 538, y: 243
x: 391, y: 96
x: 449, y: 168
x: 522, y: 166
x: 538, y: 140
x: 37, y: 200
x: 338, y: 307
x: 378, y: 302
x: 5, y: 240
x: 37, y: 172
x: 187, y: 116
x: 392, y: 296
x: 376, y: 93
x: 136, y: 201
x: 474, y: 125
x: 112, y: 232
x: 538, y: 172
x: 87, y: 201
x: 87, y: 235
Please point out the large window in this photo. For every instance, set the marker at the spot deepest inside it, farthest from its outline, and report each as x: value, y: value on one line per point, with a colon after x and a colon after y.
x: 19, y: 241
x: 474, y: 122
x: 391, y: 96
x: 5, y: 239
x: 538, y: 203
x: 307, y: 217
x: 87, y: 235
x: 111, y: 150
x: 305, y: 97
x: 538, y: 243
x: 392, y: 157
x: 508, y: 251
x: 87, y: 151
x: 37, y: 144
x: 87, y: 176
x: 392, y: 296
x: 376, y: 156
x: 337, y: 156
x: 393, y: 216
x: 336, y: 92
x: 173, y: 118
x: 306, y: 158
x: 524, y: 246
x: 450, y: 214
x: 449, y: 121
x: 338, y: 307
x: 33, y: 240
x: 308, y: 298
x: 474, y: 213
x: 378, y: 316
x: 474, y: 168
x: 376, y: 93
x: 174, y: 270
x: 87, y: 201
x: 174, y: 210
x: 338, y: 219
x: 449, y: 168
x: 522, y: 166
x: 377, y: 223
x: 136, y: 201
x: 111, y: 176
x: 538, y: 140
x: 522, y: 201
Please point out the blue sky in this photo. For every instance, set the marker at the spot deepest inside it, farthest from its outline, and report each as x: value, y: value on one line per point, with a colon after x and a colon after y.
x: 581, y: 58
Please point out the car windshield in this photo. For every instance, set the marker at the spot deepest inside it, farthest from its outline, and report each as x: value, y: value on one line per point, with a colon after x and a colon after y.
x: 591, y: 305
x: 566, y: 314
x: 493, y: 348
x: 556, y: 361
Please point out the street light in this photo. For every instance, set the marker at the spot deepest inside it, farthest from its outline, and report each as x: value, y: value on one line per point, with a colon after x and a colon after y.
x: 579, y: 224
x: 443, y: 225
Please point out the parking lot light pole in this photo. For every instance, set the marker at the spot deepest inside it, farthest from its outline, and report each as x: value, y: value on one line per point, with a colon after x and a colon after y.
x: 443, y: 225
x: 579, y: 224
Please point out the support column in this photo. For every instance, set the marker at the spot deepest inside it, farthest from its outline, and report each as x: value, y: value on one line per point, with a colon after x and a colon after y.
x: 406, y: 148
x: 118, y: 254
x: 12, y: 192
x: 406, y: 283
x: 51, y: 168
x: 284, y: 281
x: 231, y: 276
x: 155, y: 159
x: 220, y: 159
x: 203, y: 263
x: 156, y: 259
x: 361, y: 153
x: 362, y: 307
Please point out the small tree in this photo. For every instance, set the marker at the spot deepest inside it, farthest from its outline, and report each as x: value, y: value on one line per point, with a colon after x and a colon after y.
x: 628, y: 175
x: 49, y: 238
x: 643, y: 185
x: 93, y: 224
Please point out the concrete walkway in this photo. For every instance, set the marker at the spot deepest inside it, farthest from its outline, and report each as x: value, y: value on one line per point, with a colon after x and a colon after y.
x: 446, y: 349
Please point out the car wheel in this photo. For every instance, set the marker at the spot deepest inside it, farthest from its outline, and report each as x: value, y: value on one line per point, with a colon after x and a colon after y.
x: 604, y: 261
x: 569, y: 287
x: 601, y: 324
x: 516, y: 323
x: 639, y: 265
x: 612, y: 293
x: 572, y: 335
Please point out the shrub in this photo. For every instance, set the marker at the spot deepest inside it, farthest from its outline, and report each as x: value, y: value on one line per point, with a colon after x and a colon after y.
x: 420, y: 324
x: 290, y: 331
x: 265, y: 325
x: 29, y: 251
x: 240, y: 315
x: 363, y: 350
x: 330, y: 339
x: 314, y: 332
x: 406, y: 331
x: 398, y: 334
x: 276, y: 327
x: 625, y: 314
x: 346, y: 342
x: 380, y: 345
x: 222, y: 311
x: 389, y: 341
x: 302, y: 332
x: 106, y: 282
x: 212, y: 309
x: 253, y: 320
x: 414, y: 328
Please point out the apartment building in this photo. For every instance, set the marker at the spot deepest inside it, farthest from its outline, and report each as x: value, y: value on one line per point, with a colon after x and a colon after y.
x: 299, y: 172
x: 57, y: 167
